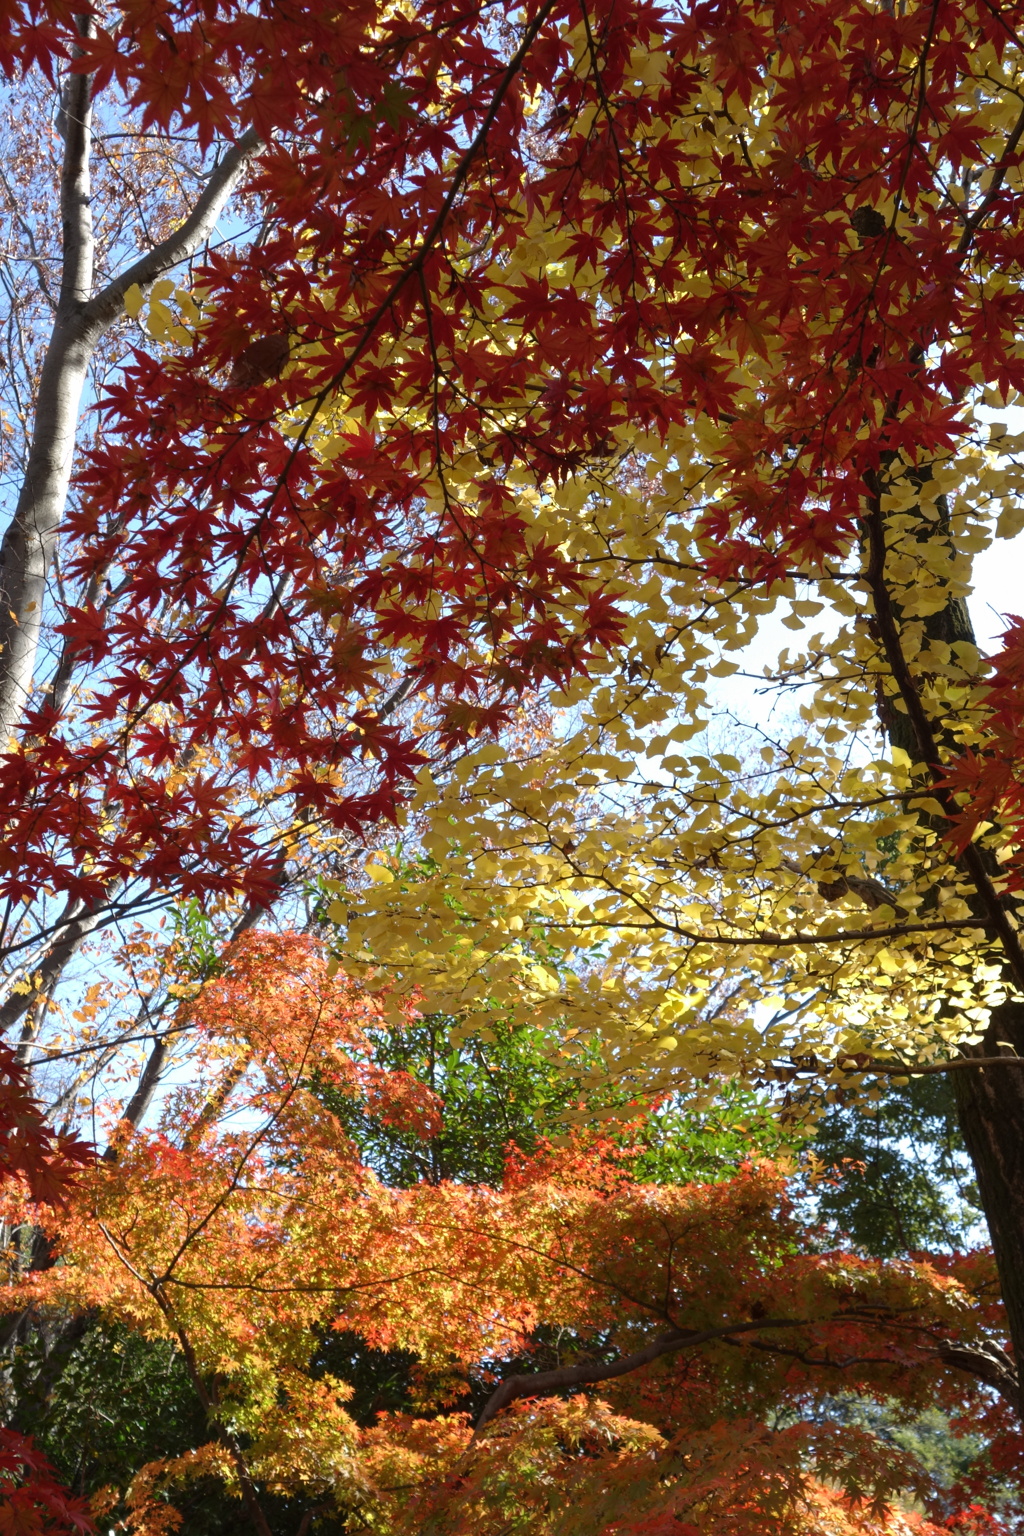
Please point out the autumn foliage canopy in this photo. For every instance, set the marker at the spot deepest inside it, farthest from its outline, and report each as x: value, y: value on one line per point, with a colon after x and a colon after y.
x: 538, y: 359
x: 503, y: 255
x: 246, y: 1225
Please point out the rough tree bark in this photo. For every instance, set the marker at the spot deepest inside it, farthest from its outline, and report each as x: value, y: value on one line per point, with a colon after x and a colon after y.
x: 990, y: 1108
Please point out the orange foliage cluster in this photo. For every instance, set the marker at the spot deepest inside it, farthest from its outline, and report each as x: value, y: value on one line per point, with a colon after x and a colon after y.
x: 247, y: 1220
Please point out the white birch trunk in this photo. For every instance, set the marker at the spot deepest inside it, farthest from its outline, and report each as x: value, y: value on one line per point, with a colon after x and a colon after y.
x: 27, y: 550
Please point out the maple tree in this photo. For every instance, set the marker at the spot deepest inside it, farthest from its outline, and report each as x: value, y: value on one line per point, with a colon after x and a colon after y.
x: 509, y: 263
x: 246, y: 1223
x: 268, y: 626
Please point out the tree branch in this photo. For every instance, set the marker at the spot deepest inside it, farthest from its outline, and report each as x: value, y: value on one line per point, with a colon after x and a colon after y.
x: 959, y: 1063
x: 862, y: 1064
x: 76, y: 923
x: 74, y: 123
x: 135, y: 1110
x: 28, y: 544
x: 210, y: 1406
x: 103, y: 309
x: 986, y: 1361
x: 540, y: 1383
x: 981, y: 213
x: 990, y: 1364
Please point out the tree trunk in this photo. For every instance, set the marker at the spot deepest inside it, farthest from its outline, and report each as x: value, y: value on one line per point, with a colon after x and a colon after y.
x: 82, y: 319
x: 990, y: 1108
x: 989, y: 1100
x: 28, y: 545
x: 27, y: 549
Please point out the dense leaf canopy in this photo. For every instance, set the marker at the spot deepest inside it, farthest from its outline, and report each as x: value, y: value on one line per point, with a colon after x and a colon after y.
x: 704, y: 1312
x: 471, y: 390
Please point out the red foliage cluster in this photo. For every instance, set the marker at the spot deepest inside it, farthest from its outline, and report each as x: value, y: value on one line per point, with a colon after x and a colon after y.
x: 32, y: 1502
x: 291, y: 574
x: 992, y: 775
x: 29, y: 1150
x: 37, y: 1505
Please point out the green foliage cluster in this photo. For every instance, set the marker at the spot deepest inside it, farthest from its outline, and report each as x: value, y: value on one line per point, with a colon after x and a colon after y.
x: 908, y: 1183
x: 514, y: 1089
x: 118, y: 1401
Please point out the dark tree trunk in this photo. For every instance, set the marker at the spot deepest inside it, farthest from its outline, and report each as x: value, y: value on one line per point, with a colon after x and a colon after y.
x: 990, y: 1107
x: 989, y: 1100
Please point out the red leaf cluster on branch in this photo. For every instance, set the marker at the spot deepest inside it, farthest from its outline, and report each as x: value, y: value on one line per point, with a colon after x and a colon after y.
x: 275, y: 559
x: 29, y: 1150
x: 991, y: 776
